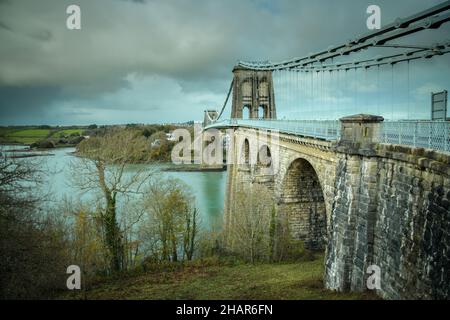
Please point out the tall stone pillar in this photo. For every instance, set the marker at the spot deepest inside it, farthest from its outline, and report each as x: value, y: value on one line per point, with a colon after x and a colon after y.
x: 253, y: 89
x: 350, y: 247
x: 359, y: 133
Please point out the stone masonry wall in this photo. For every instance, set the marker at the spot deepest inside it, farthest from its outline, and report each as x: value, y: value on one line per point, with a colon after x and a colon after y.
x: 412, y: 231
x: 351, y: 225
x: 392, y: 210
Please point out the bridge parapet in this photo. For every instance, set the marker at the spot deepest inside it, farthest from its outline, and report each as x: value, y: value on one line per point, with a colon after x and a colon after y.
x: 320, y: 129
x: 359, y: 133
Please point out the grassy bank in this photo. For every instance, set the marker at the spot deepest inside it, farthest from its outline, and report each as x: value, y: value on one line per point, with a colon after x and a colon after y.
x: 29, y: 135
x: 294, y: 281
x: 25, y: 136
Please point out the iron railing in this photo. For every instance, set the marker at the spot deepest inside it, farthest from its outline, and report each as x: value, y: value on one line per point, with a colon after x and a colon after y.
x: 321, y: 129
x: 424, y: 134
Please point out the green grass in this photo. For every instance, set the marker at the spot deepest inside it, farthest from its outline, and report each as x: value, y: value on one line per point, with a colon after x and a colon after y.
x: 290, y: 281
x: 4, y: 131
x: 31, y: 135
x: 26, y: 136
x: 67, y: 132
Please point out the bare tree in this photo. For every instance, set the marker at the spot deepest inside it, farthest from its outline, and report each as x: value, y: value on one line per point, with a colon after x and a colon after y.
x: 18, y: 180
x: 190, y: 233
x: 32, y: 243
x: 250, y: 232
x: 172, y: 223
x: 106, y: 164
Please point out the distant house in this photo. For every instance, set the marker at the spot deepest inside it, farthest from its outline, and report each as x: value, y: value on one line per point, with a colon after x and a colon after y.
x: 170, y: 137
x: 156, y: 143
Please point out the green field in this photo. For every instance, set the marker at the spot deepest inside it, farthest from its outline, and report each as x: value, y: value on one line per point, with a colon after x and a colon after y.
x: 290, y: 281
x: 4, y: 131
x: 67, y: 132
x: 26, y: 136
x: 30, y: 135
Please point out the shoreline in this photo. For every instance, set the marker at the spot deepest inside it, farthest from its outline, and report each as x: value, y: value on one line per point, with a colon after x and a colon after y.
x: 194, y: 168
x: 26, y: 152
x: 28, y: 148
x: 33, y: 155
x: 168, y: 166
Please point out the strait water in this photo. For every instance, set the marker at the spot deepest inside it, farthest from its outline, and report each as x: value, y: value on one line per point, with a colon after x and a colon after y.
x: 207, y: 187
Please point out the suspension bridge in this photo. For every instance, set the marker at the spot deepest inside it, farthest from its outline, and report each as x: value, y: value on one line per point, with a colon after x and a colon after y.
x: 357, y: 165
x: 314, y: 91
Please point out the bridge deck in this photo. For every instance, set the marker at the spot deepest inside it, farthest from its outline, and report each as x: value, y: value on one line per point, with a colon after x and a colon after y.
x: 423, y: 134
x: 321, y: 129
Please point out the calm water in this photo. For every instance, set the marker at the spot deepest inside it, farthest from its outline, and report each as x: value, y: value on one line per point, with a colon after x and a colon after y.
x: 207, y: 187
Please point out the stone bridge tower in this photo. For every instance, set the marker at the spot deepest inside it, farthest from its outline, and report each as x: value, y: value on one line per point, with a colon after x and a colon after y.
x: 253, y: 90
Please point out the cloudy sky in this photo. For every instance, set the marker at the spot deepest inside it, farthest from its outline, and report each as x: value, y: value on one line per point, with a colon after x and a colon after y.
x: 147, y: 61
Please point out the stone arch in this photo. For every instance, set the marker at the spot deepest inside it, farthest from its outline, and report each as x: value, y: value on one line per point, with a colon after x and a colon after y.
x: 246, y: 111
x: 264, y: 163
x: 263, y: 111
x: 264, y: 158
x: 302, y: 203
x: 246, y: 152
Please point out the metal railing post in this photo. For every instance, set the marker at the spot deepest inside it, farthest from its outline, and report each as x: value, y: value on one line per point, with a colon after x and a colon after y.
x: 429, y: 134
x: 400, y: 134
x: 446, y: 129
x: 416, y: 133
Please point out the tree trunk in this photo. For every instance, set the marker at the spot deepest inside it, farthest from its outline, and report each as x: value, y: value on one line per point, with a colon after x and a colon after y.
x: 190, y: 252
x: 113, y: 238
x: 174, y: 247
x: 112, y: 231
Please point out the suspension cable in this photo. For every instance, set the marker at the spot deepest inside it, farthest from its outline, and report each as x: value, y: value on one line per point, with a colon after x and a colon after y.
x: 423, y: 20
x: 226, y: 100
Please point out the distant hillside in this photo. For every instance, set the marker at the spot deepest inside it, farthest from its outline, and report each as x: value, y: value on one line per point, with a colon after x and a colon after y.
x: 33, y: 134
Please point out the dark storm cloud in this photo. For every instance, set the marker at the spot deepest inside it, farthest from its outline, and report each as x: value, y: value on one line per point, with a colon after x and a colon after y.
x: 156, y: 60
x: 41, y: 35
x: 20, y: 105
x: 4, y: 26
x: 136, y: 1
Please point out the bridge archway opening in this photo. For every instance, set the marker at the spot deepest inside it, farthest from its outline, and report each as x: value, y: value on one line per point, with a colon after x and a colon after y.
x: 246, y: 153
x: 262, y: 112
x: 303, y: 205
x: 246, y: 112
x: 264, y: 161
